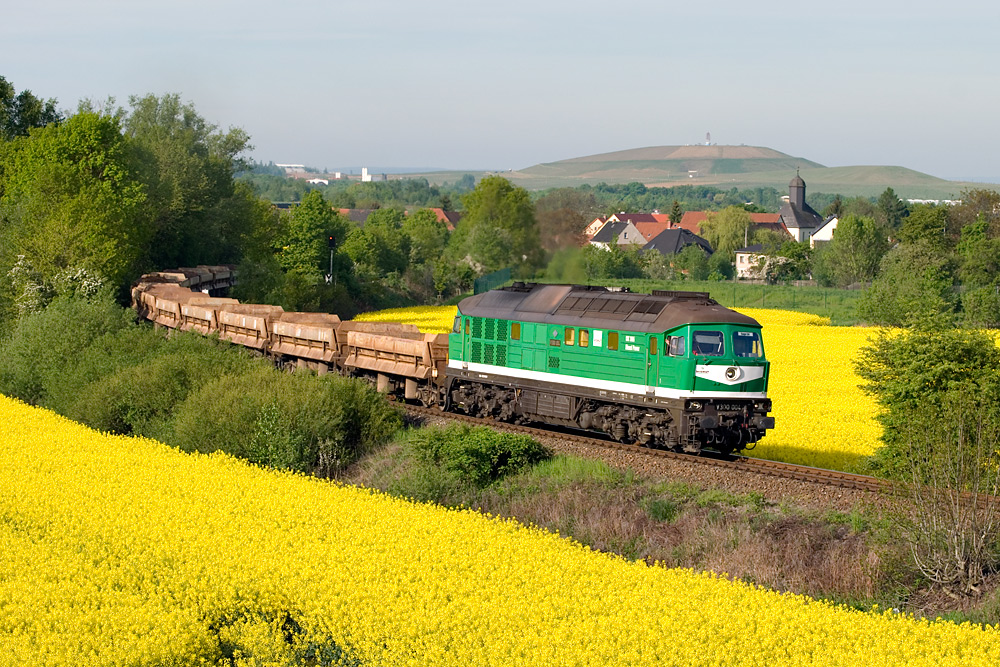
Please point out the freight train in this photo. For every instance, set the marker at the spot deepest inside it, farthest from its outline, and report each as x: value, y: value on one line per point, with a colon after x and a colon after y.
x: 669, y: 369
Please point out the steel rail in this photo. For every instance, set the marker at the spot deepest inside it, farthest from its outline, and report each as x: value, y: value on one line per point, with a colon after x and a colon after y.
x: 821, y: 476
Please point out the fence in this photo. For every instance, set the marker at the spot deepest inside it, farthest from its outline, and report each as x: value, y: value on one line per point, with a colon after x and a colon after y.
x: 491, y: 281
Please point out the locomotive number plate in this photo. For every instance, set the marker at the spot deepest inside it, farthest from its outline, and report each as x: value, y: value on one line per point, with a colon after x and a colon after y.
x: 729, y: 407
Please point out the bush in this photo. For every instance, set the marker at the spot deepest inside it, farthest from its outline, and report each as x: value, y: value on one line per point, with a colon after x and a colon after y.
x: 914, y: 370
x: 981, y: 307
x: 45, y: 348
x: 297, y: 421
x: 141, y: 398
x: 478, y: 455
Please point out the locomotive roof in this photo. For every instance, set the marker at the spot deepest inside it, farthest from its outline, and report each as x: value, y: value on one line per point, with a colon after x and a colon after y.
x: 600, y: 307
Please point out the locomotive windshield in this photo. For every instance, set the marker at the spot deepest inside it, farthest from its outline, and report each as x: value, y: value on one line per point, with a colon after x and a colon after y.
x: 708, y: 344
x: 747, y: 344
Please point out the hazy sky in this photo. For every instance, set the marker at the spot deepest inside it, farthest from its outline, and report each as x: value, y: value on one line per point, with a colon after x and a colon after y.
x: 460, y: 84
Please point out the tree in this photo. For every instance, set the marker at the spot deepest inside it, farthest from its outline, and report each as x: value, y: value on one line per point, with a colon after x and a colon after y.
x: 562, y: 215
x: 380, y: 248
x: 836, y: 208
x: 939, y: 389
x: 856, y: 249
x: 891, y: 210
x: 790, y: 261
x: 979, y: 272
x: 860, y: 207
x: 187, y: 166
x: 617, y: 262
x: 977, y: 204
x: 928, y: 224
x: 693, y: 262
x: 22, y: 111
x: 728, y: 231
x: 914, y: 286
x: 676, y: 214
x: 72, y: 200
x: 499, y: 227
x: 303, y: 242
x: 428, y: 237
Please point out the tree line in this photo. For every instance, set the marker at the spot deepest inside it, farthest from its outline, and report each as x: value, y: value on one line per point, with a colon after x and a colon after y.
x: 91, y: 199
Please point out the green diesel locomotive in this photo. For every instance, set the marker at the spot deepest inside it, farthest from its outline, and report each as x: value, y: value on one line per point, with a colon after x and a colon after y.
x: 673, y: 370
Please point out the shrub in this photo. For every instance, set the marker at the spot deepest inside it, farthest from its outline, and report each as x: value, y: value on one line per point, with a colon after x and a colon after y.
x: 141, y: 398
x: 298, y: 421
x: 44, y: 347
x: 479, y: 454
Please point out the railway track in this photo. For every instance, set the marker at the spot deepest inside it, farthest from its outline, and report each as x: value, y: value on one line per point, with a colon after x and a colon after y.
x: 739, y: 464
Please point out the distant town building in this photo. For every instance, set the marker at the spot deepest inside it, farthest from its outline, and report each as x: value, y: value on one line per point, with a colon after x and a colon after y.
x: 799, y: 217
x: 367, y: 177
x: 318, y: 181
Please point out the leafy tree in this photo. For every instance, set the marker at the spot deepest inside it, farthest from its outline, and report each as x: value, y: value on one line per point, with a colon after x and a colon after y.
x: 303, y: 244
x: 861, y: 207
x: 693, y: 263
x: 562, y: 215
x: 939, y: 389
x: 720, y: 268
x: 979, y: 271
x: 428, y: 237
x: 616, y: 262
x: 917, y: 366
x: 188, y: 167
x: 927, y: 224
x: 856, y: 249
x: 380, y: 248
x: 977, y: 204
x: 21, y: 111
x: 72, y: 199
x: 790, y: 261
x: 914, y: 286
x: 728, y: 231
x: 499, y: 228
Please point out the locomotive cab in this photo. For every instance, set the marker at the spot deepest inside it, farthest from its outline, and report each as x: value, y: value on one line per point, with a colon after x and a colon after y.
x: 722, y: 369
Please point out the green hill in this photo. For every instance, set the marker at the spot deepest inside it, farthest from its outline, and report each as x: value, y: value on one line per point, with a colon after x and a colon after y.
x: 732, y: 166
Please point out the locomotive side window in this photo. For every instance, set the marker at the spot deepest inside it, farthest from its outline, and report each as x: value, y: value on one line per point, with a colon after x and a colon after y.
x: 708, y: 344
x: 570, y: 336
x: 677, y: 346
x: 457, y: 326
x: 515, y: 331
x: 612, y: 340
x: 584, y: 338
x: 747, y: 344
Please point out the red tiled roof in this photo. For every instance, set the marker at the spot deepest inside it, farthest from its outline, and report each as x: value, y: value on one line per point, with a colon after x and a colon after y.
x: 447, y: 217
x: 635, y: 217
x: 650, y: 230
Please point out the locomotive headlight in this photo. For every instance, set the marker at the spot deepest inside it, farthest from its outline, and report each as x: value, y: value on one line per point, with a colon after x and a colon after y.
x: 694, y: 406
x: 762, y: 406
x: 732, y: 372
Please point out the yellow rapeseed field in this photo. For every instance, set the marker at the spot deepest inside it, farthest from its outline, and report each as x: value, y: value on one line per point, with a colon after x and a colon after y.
x: 822, y: 418
x: 120, y: 551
